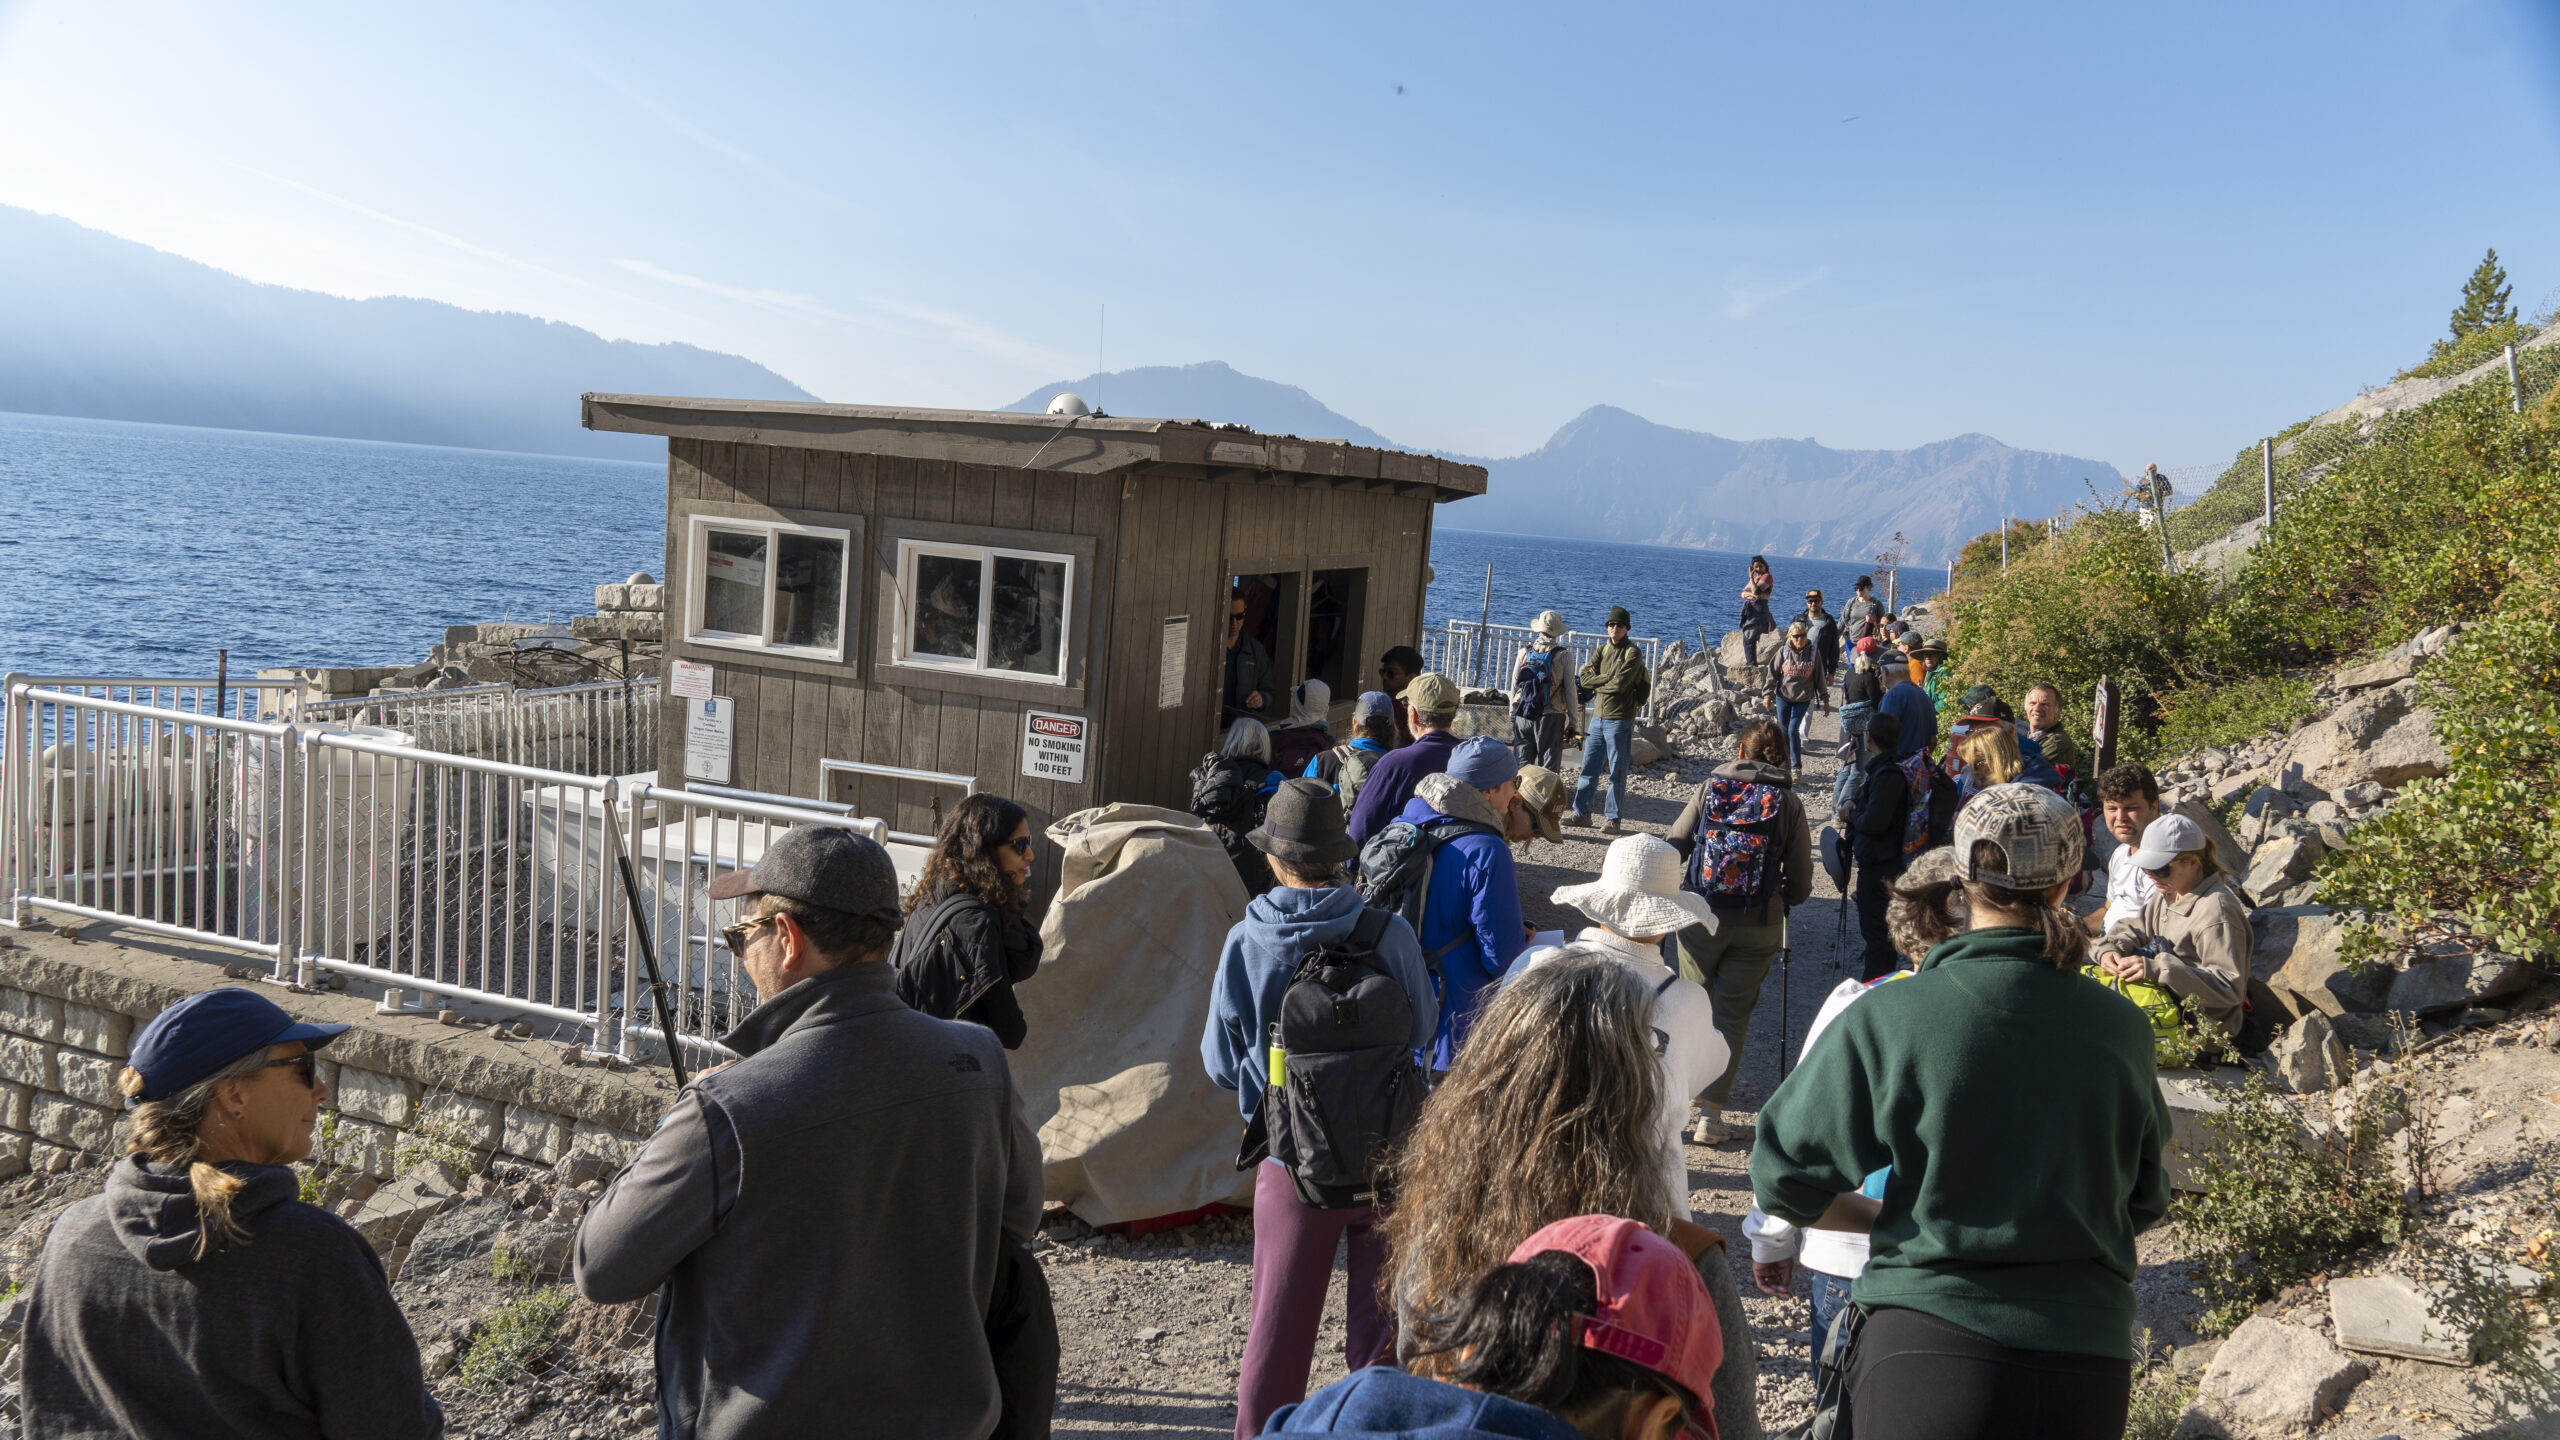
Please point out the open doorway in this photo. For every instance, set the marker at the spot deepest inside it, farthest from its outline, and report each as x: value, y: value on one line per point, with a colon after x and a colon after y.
x: 1262, y: 618
x: 1335, y: 602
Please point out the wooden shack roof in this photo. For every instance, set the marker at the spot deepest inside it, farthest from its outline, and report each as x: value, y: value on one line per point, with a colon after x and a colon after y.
x: 1066, y: 444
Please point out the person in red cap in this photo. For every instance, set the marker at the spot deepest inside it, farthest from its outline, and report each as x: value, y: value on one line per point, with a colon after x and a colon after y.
x: 1595, y: 1329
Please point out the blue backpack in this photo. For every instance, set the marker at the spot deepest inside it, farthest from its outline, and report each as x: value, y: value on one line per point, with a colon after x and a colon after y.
x: 1533, y: 687
x: 1734, y: 863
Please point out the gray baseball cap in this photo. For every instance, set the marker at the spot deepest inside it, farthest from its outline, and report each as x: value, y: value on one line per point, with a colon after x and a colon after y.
x: 2036, y: 829
x: 823, y: 865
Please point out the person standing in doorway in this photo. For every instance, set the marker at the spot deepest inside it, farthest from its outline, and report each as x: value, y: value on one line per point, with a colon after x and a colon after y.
x: 1544, y: 709
x: 1619, y: 686
x: 1248, y: 678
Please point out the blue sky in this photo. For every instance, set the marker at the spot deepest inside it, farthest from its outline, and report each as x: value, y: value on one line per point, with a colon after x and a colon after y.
x: 2132, y: 233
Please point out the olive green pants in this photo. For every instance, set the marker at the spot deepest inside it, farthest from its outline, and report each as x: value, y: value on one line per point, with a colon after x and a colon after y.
x: 1729, y: 965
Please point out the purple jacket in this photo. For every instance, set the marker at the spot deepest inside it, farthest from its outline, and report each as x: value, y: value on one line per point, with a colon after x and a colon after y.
x: 1391, y: 781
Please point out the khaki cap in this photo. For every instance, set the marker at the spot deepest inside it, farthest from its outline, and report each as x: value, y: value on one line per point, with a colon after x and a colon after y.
x: 1545, y: 794
x: 1431, y: 693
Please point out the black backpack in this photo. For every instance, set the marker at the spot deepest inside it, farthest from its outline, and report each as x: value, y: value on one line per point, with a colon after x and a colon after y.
x: 1395, y: 873
x: 1227, y: 790
x: 1534, y: 686
x: 1343, y: 1085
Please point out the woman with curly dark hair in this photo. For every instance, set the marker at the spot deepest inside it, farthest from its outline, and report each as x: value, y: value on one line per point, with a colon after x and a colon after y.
x: 966, y: 942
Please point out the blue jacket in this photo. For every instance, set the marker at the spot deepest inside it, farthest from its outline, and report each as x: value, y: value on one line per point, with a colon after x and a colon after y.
x: 1475, y: 902
x: 1262, y: 952
x: 1385, y: 1401
x: 1391, y: 781
x: 1358, y: 742
x: 1918, y: 714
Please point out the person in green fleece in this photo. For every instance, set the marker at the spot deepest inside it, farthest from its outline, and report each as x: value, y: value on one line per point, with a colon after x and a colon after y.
x: 2017, y: 1109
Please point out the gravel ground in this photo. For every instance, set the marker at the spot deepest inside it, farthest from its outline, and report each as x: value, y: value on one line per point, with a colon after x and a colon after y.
x: 1154, y: 1327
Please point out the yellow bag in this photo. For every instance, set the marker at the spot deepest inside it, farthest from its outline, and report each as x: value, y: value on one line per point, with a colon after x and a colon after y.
x: 2170, y: 1044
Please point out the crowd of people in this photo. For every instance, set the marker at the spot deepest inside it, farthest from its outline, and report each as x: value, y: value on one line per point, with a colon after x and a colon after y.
x: 1487, y: 1131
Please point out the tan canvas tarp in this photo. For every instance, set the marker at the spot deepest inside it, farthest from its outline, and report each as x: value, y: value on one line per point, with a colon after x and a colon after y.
x: 1130, y: 1127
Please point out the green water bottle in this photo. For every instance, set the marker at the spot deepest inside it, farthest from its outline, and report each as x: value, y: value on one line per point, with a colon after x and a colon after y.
x: 1279, y: 1065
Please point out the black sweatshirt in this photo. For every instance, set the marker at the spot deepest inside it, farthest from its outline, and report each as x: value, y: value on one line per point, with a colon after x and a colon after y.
x: 291, y: 1335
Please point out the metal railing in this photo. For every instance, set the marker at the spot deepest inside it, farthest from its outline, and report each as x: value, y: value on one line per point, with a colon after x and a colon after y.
x: 325, y: 847
x: 602, y: 727
x: 1479, y: 656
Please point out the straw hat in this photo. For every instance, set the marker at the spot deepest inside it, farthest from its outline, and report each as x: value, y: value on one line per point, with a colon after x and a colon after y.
x: 1545, y: 794
x: 1638, y: 892
x: 1548, y: 623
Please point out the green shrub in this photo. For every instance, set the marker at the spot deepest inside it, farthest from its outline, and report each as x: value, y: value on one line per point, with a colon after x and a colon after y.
x: 2274, y: 1210
x: 2160, y: 1396
x: 2451, y: 357
x: 511, y: 1335
x: 2201, y: 714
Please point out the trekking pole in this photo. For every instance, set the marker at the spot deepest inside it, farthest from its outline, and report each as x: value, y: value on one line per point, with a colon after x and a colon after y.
x: 1785, y: 953
x: 648, y: 952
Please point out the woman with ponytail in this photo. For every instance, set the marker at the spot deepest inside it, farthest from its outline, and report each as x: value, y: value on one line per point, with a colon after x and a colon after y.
x: 198, y: 1295
x: 2016, y: 1113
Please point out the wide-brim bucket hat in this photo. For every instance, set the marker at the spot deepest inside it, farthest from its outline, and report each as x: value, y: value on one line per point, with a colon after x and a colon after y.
x: 1638, y: 892
x: 1548, y: 623
x: 1304, y: 826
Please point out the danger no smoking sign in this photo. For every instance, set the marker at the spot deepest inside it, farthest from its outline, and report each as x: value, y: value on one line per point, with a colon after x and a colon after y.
x: 1053, y: 746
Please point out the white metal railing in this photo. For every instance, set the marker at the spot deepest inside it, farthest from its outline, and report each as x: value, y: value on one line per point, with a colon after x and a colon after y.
x: 340, y: 847
x: 602, y: 727
x: 1479, y: 656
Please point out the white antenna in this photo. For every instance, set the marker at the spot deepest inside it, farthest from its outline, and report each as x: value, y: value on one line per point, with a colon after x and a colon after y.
x: 1100, y: 326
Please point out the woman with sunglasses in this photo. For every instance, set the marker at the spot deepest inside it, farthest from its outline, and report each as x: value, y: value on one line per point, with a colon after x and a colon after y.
x: 967, y: 943
x: 198, y: 1295
x: 2191, y: 937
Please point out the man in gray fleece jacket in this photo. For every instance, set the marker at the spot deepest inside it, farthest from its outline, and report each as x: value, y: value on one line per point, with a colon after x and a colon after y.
x: 827, y: 1216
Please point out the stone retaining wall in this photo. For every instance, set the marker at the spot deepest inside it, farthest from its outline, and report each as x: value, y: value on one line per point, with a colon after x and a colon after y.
x: 69, y: 1010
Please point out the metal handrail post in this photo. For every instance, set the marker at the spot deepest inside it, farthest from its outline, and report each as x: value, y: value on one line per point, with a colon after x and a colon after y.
x: 15, y: 842
x: 289, y: 837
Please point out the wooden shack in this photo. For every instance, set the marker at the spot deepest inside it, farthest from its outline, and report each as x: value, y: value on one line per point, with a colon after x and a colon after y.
x: 1035, y: 604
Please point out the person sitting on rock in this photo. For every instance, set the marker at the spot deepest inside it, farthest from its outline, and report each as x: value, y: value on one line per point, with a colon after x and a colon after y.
x: 2192, y: 937
x: 2044, y: 726
x: 2128, y: 801
x: 1596, y: 1328
x: 199, y: 1296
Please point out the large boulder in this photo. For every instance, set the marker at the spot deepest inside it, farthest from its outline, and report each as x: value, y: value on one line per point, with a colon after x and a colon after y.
x: 2408, y: 751
x: 2309, y: 1057
x: 1731, y: 654
x: 2281, y: 863
x: 2389, y: 1315
x: 2447, y: 975
x: 2270, y: 1378
x: 2313, y: 979
x: 2376, y: 736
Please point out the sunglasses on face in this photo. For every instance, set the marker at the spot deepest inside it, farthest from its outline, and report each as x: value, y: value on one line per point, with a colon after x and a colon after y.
x: 305, y: 1067
x: 1020, y: 845
x: 735, y: 936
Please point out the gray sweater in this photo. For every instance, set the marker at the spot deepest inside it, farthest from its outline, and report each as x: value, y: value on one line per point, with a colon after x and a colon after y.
x: 291, y: 1334
x: 825, y: 1219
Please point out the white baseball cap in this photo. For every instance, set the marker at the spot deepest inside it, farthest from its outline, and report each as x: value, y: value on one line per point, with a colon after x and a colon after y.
x: 2165, y: 839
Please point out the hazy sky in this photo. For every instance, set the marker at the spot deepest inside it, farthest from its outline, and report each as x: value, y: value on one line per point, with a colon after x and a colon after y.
x: 2128, y: 232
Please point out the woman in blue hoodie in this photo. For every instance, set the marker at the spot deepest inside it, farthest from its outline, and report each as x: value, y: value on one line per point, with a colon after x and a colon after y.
x: 1294, y: 1243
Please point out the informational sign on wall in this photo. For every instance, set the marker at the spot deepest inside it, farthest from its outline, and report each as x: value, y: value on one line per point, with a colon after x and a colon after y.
x: 1174, y: 662
x: 710, y: 732
x: 689, y: 681
x: 1053, y: 746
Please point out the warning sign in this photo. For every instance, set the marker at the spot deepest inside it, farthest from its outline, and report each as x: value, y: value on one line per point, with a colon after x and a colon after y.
x: 1053, y: 746
x: 689, y: 681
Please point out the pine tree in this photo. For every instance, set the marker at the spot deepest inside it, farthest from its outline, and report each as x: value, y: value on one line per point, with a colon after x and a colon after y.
x: 2485, y: 299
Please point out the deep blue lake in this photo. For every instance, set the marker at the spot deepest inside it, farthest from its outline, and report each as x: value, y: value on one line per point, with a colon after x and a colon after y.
x: 136, y: 549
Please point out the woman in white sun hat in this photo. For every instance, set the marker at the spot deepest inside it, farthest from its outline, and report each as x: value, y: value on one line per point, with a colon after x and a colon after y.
x: 1539, y: 739
x: 1637, y: 901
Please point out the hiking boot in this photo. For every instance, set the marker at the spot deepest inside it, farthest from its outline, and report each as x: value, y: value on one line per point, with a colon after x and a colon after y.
x: 1710, y: 1129
x: 1613, y: 828
x: 1578, y: 822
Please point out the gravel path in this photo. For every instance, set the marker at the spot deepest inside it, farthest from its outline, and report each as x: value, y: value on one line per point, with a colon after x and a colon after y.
x: 1154, y: 1327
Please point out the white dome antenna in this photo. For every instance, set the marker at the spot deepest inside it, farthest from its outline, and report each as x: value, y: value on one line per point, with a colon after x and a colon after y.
x: 1068, y: 402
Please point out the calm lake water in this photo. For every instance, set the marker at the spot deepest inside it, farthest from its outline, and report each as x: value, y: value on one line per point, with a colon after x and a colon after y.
x: 141, y: 549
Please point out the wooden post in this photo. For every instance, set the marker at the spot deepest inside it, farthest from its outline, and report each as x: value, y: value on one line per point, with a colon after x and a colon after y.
x: 2102, y: 724
x: 2515, y: 380
x: 2267, y: 450
x: 1483, y: 628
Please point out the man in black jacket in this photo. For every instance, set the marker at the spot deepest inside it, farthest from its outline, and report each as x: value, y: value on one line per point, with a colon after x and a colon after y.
x: 829, y: 1217
x: 1876, y: 828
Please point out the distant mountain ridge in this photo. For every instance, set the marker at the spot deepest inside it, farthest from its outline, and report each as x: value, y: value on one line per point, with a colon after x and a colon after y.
x: 95, y: 326
x: 1609, y: 474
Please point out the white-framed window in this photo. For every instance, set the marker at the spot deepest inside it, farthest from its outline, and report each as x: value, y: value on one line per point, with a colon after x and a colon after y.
x: 767, y: 585
x: 984, y: 610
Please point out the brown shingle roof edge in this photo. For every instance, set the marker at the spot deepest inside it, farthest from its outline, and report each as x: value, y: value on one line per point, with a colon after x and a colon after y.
x: 1066, y: 445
